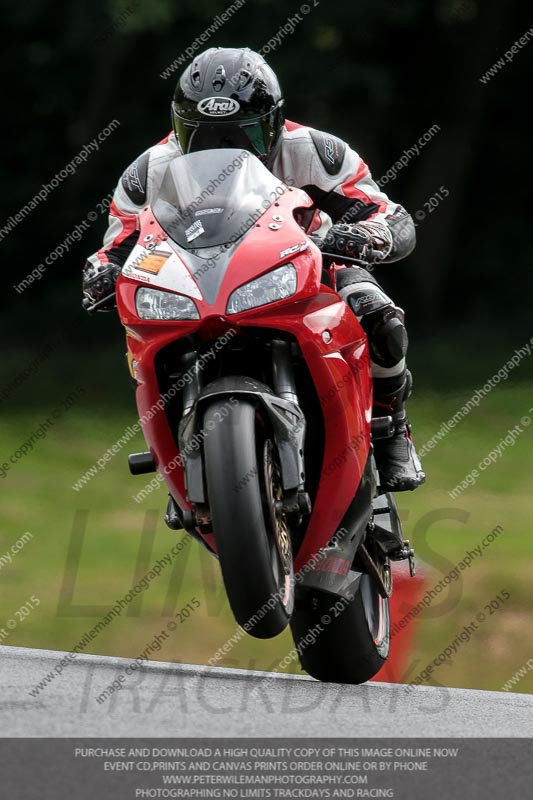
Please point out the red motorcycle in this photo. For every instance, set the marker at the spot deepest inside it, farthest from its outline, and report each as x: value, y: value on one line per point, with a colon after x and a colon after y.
x: 254, y: 393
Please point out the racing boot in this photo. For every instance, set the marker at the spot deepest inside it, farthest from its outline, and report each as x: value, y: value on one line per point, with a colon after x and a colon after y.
x: 396, y: 458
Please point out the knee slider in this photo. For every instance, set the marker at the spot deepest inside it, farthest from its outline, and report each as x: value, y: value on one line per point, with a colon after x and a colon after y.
x: 387, y: 335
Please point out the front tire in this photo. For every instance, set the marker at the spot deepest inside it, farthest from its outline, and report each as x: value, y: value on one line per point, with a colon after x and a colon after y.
x: 252, y: 536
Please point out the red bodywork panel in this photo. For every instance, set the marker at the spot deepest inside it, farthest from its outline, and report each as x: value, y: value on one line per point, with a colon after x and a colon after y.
x: 330, y: 337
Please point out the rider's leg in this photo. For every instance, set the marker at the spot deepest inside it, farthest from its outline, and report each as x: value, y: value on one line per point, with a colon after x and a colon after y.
x: 383, y: 323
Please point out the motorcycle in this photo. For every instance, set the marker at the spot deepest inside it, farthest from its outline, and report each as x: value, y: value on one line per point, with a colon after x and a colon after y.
x: 254, y: 392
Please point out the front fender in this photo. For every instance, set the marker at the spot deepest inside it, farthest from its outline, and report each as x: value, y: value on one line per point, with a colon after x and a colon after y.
x: 286, y: 417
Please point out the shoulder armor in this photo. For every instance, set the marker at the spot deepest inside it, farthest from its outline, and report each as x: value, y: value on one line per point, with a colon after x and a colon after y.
x: 330, y: 149
x: 134, y: 180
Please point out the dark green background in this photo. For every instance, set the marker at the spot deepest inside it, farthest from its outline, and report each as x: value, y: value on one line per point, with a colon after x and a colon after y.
x: 378, y: 74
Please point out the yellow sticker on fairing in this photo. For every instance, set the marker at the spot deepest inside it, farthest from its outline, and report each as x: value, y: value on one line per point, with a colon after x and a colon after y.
x: 153, y: 263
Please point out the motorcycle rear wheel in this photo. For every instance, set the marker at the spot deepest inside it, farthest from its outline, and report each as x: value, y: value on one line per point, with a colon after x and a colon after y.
x: 339, y: 640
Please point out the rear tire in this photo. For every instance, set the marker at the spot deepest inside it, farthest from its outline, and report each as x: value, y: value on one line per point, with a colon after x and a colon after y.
x: 255, y: 557
x: 353, y: 645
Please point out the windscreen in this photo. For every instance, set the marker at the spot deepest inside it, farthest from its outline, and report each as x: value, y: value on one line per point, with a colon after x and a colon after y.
x: 211, y: 198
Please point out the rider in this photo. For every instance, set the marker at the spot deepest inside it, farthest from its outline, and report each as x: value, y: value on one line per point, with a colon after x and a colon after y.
x: 230, y: 97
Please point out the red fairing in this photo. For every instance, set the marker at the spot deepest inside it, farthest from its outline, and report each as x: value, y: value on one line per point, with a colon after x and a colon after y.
x: 332, y: 342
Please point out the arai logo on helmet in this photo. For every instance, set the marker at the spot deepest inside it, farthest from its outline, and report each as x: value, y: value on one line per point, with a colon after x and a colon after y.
x: 218, y: 106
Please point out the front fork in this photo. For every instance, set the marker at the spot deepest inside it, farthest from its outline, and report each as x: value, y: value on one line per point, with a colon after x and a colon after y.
x: 282, y: 371
x: 281, y: 406
x: 282, y: 375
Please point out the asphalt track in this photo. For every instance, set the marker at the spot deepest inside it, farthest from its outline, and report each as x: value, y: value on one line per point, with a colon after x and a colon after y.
x: 173, y: 700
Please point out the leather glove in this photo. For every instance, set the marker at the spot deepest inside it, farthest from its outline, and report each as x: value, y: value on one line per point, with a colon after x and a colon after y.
x: 367, y: 241
x: 99, y: 286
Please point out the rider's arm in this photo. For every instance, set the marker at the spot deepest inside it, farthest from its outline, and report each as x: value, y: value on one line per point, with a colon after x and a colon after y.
x: 137, y: 187
x: 365, y: 202
x: 101, y: 270
x: 340, y: 183
x: 128, y: 200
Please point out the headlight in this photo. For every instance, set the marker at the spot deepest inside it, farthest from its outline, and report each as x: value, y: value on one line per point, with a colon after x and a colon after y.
x: 275, y: 285
x: 154, y: 304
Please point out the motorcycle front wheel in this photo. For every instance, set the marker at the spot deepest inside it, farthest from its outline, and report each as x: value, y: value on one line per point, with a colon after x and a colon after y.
x: 251, y: 531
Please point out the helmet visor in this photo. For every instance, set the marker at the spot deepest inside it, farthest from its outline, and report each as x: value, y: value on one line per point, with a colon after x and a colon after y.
x: 255, y: 134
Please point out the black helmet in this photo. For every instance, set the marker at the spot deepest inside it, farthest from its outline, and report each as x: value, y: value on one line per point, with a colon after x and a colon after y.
x: 228, y: 97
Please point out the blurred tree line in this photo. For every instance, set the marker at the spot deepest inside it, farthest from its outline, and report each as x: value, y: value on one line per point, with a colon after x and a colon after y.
x: 378, y: 74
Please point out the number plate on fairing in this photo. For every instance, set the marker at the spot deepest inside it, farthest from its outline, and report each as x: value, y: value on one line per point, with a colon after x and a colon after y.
x: 161, y: 268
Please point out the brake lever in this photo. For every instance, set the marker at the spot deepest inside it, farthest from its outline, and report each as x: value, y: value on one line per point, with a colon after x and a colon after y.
x: 359, y: 262
x: 91, y: 309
